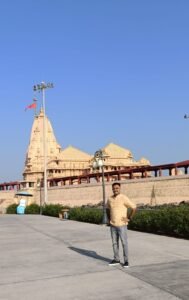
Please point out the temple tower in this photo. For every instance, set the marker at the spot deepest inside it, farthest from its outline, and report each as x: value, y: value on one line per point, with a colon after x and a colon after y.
x: 60, y: 162
x: 34, y: 163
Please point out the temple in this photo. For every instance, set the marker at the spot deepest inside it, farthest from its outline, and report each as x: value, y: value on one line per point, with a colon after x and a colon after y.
x: 69, y: 161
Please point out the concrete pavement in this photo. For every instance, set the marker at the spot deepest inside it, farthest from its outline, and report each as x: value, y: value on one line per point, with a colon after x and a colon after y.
x: 49, y: 259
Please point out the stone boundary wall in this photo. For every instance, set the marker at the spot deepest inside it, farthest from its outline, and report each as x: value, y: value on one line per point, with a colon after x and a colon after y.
x: 152, y: 191
x: 6, y: 198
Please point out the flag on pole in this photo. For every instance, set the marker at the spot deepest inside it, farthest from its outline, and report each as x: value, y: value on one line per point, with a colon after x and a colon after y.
x: 33, y: 105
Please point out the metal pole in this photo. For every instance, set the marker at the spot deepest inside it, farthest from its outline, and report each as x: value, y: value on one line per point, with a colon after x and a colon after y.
x: 41, y: 209
x: 35, y: 111
x: 99, y: 157
x: 104, y: 220
x: 44, y: 148
x: 41, y: 88
x: 39, y: 183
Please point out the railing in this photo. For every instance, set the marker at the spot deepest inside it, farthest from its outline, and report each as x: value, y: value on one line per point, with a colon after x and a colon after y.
x: 126, y: 173
x: 10, y: 186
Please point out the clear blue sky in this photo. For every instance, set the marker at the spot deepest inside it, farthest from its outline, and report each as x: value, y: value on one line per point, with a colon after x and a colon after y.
x: 120, y: 70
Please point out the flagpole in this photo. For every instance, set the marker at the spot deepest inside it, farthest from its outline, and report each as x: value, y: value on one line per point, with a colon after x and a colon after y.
x: 41, y: 88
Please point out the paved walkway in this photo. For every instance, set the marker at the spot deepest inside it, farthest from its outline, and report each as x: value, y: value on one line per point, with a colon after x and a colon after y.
x: 44, y: 258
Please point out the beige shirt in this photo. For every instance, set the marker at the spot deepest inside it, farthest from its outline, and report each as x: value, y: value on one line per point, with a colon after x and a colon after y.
x: 118, y: 209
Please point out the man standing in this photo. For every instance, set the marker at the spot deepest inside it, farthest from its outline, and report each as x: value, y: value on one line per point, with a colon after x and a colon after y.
x: 117, y: 206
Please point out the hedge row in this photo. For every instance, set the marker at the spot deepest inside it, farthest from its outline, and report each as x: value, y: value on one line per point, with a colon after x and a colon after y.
x: 47, y: 210
x: 86, y: 214
x: 167, y: 220
x: 51, y: 210
x: 172, y: 221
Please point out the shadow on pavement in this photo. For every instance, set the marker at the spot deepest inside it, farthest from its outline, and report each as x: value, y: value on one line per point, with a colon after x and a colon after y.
x: 89, y: 253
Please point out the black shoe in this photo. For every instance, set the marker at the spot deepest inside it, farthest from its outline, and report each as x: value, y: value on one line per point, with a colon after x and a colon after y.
x: 114, y: 262
x: 126, y: 264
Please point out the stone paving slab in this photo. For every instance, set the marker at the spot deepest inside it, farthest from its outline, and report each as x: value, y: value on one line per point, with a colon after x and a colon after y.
x: 45, y: 258
x: 171, y: 277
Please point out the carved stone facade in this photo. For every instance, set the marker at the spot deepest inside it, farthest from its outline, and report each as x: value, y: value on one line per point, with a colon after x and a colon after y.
x: 69, y: 161
x: 118, y: 158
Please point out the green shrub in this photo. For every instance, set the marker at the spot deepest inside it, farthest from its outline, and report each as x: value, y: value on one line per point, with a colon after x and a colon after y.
x: 89, y: 215
x: 11, y: 209
x: 32, y: 209
x: 169, y: 220
x: 52, y: 210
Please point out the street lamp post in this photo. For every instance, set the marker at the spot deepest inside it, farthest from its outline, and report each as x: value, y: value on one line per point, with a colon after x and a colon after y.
x: 39, y: 187
x: 41, y: 88
x: 98, y: 162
